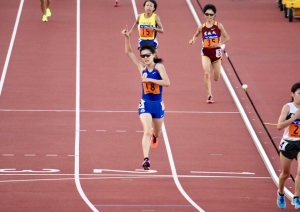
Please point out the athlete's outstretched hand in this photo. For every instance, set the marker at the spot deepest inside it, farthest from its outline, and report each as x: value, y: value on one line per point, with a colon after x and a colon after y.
x: 192, y: 41
x: 125, y: 32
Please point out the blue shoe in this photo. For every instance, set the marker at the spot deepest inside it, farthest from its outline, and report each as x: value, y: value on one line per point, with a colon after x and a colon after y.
x: 281, y: 201
x: 296, y: 202
x: 146, y: 164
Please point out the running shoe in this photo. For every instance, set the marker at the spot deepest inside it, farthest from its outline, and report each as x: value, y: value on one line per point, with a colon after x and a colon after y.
x: 116, y: 4
x: 281, y: 201
x: 48, y: 12
x: 45, y: 19
x: 154, y: 141
x: 296, y: 202
x: 210, y: 99
x: 146, y: 164
x: 293, y: 201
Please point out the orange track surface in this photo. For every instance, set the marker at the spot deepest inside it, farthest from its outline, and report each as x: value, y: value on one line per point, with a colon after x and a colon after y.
x: 38, y: 102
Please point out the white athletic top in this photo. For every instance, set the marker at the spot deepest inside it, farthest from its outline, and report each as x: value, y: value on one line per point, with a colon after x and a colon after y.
x: 292, y: 132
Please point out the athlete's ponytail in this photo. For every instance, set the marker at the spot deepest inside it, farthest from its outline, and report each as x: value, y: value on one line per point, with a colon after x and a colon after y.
x: 158, y: 60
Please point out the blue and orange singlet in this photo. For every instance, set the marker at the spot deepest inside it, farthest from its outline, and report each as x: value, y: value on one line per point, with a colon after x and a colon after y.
x: 150, y: 90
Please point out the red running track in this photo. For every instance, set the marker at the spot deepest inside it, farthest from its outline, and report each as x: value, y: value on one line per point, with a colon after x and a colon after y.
x: 217, y: 163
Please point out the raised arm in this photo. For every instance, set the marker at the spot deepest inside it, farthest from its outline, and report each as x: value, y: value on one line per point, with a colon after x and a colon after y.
x: 128, y: 51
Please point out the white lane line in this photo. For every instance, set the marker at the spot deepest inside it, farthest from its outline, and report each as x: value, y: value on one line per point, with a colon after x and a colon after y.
x: 77, y: 113
x: 170, y: 156
x: 13, y: 170
x: 100, y: 130
x: 120, y: 130
x: 29, y: 155
x: 7, y: 155
x: 256, y: 141
x: 141, y: 175
x: 108, y: 177
x: 51, y: 155
x: 174, y: 173
x: 204, y: 172
x: 118, y: 111
x: 11, y: 46
x: 142, y: 171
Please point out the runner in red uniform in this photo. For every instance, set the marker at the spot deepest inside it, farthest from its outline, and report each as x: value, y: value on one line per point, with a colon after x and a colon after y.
x: 211, y: 52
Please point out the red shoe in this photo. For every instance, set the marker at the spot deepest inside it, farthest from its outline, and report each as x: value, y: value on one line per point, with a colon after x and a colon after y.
x: 210, y: 100
x: 116, y: 4
x: 154, y: 141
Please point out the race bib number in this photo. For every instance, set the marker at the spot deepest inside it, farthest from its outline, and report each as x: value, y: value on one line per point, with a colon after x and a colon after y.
x: 144, y: 33
x: 282, y: 145
x: 218, y: 52
x: 162, y: 105
x: 294, y: 130
x: 209, y: 42
x: 142, y: 104
x: 150, y: 87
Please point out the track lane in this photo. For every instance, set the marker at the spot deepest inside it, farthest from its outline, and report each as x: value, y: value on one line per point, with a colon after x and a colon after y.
x: 8, y: 14
x: 36, y: 132
x: 125, y: 84
x: 215, y: 126
x: 90, y: 122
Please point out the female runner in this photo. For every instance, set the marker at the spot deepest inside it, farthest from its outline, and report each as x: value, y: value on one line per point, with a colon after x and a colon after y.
x: 151, y: 108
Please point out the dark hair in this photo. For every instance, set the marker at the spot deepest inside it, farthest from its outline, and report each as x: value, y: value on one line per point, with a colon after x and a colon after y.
x: 153, y: 2
x: 152, y: 50
x: 294, y: 88
x: 210, y: 7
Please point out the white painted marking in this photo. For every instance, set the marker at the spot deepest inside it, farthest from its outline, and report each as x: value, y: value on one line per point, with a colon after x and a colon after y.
x: 30, y: 155
x: 102, y: 177
x: 174, y: 173
x: 142, y: 171
x: 120, y: 130
x: 77, y: 113
x: 203, y: 172
x: 31, y: 171
x: 100, y: 130
x: 170, y: 156
x: 259, y: 147
x: 51, y: 155
x: 12, y: 40
x: 7, y: 155
x: 125, y: 111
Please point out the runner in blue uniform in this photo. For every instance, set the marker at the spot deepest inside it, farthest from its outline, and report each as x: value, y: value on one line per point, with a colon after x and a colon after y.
x: 151, y: 108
